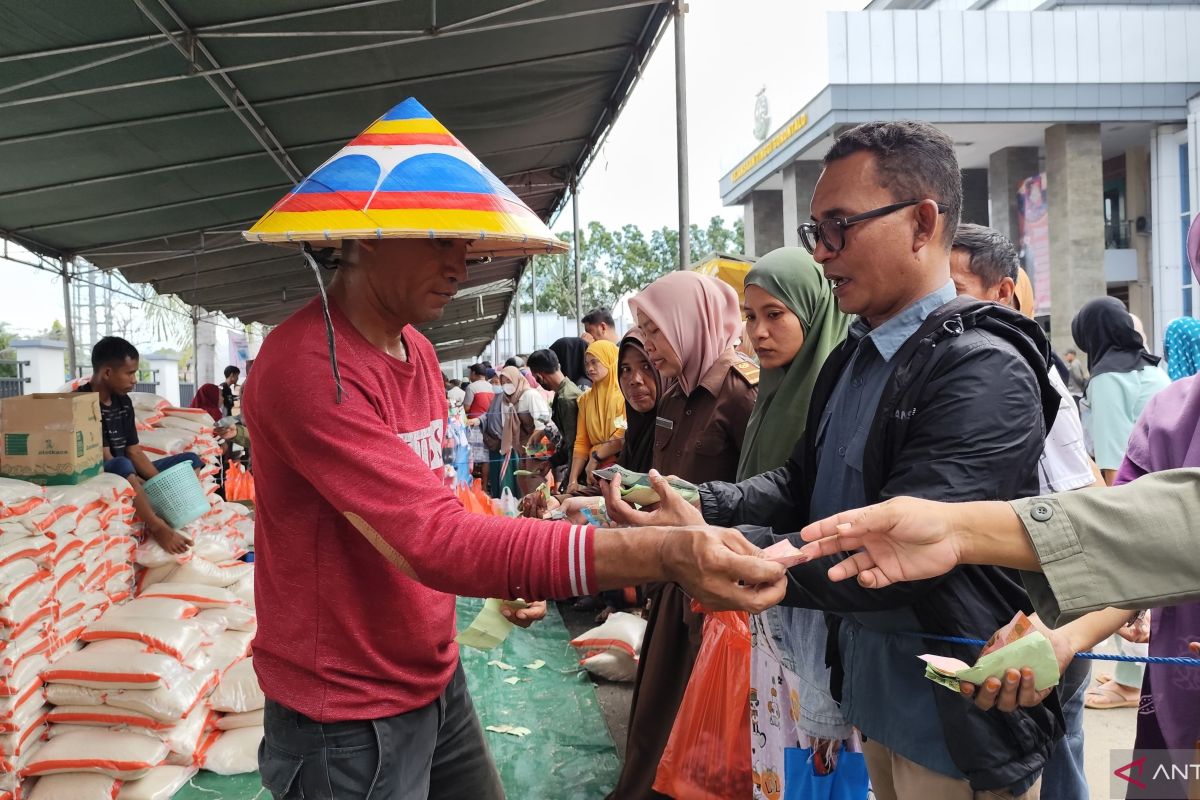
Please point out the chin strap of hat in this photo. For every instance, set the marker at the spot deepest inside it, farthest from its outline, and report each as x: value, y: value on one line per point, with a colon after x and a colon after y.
x: 311, y: 258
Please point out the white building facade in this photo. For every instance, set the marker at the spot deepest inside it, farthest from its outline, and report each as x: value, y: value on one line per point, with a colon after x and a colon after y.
x: 1077, y: 126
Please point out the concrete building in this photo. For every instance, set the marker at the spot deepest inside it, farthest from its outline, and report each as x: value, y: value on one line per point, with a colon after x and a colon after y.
x: 1077, y: 126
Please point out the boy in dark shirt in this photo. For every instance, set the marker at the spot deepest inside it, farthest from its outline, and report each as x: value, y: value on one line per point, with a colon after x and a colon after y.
x: 232, y: 376
x: 114, y: 375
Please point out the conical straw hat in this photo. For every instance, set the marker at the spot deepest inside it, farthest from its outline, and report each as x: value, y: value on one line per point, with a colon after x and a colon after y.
x: 406, y: 176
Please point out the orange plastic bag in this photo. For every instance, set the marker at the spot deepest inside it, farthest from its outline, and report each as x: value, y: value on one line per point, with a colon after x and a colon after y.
x: 239, y: 484
x: 708, y: 753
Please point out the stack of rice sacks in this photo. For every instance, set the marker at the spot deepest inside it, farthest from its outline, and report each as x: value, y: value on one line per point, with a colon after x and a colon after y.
x: 66, y: 555
x: 142, y: 690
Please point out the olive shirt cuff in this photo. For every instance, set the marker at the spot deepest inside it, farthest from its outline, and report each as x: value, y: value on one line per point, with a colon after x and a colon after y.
x: 1059, y: 592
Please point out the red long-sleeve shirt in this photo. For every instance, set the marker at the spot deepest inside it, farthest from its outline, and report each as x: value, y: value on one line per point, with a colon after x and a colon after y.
x: 343, y: 633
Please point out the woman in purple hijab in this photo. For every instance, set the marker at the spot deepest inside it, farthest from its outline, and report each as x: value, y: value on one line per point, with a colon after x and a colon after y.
x: 1167, y: 436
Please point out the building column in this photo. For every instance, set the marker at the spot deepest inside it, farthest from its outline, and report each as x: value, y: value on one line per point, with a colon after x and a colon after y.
x: 975, y: 196
x: 1137, y: 206
x: 1166, y: 192
x: 763, y: 210
x: 205, y: 350
x: 1075, y: 196
x: 799, y: 181
x: 1006, y: 169
x: 165, y: 367
x: 46, y: 370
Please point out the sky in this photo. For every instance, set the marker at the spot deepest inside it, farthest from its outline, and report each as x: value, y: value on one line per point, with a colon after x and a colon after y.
x: 734, y: 48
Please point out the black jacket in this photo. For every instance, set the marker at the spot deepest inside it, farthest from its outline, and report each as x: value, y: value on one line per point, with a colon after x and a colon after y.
x: 963, y: 416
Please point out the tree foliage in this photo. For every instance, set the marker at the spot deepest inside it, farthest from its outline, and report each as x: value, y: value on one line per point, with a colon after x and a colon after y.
x: 614, y: 263
x: 7, y: 354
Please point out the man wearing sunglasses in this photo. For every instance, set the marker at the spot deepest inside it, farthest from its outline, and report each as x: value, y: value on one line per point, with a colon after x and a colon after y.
x: 929, y: 395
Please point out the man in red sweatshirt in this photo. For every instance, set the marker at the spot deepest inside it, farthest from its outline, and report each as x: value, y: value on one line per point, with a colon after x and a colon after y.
x: 361, y: 548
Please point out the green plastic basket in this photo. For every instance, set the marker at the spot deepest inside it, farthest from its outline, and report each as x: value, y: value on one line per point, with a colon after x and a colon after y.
x: 177, y: 496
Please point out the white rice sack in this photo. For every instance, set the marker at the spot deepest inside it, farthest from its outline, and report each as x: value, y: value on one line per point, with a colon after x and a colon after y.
x: 18, y: 498
x: 243, y: 590
x: 18, y: 743
x: 201, y: 570
x: 613, y: 665
x: 113, y: 489
x: 66, y: 694
x: 175, y: 638
x: 116, y: 665
x: 148, y: 401
x: 14, y: 574
x: 76, y: 786
x: 160, y: 783
x: 150, y: 554
x: 197, y: 594
x: 156, y: 575
x: 52, y: 520
x: 168, y: 705
x: 238, y: 690
x: 165, y: 441
x: 118, y: 754
x: 25, y: 673
x: 188, y: 413
x: 156, y: 607
x: 621, y: 631
x: 194, y: 427
x: 105, y: 716
x: 217, y: 548
x: 228, y: 649
x: 248, y: 719
x: 184, y: 738
x: 234, y: 752
x: 231, y: 618
x: 40, y: 549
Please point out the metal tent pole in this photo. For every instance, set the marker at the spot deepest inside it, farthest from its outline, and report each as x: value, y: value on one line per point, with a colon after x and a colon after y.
x: 533, y: 292
x: 685, y: 243
x: 72, y: 359
x: 576, y: 249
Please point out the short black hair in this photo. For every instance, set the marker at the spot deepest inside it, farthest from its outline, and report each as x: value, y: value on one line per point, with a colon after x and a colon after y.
x: 112, y: 350
x: 598, y: 315
x: 914, y: 161
x: 992, y: 257
x: 232, y: 370
x: 515, y: 361
x: 543, y: 362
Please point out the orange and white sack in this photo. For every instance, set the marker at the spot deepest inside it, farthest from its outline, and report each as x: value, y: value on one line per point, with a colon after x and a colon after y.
x: 117, y: 665
x: 118, y: 754
x: 76, y: 786
x: 175, y: 638
x: 197, y: 594
x: 238, y: 691
x: 160, y: 783
x: 247, y: 719
x: 235, y: 752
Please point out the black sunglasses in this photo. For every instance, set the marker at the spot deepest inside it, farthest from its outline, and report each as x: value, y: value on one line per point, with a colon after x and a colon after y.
x: 832, y: 231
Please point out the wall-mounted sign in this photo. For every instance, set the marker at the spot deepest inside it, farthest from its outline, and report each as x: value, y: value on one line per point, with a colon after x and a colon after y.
x: 778, y: 140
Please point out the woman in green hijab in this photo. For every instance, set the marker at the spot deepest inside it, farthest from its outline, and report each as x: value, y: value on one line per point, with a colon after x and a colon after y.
x: 793, y: 322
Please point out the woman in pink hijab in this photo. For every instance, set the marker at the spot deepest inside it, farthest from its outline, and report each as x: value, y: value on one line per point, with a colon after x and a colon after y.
x: 690, y: 323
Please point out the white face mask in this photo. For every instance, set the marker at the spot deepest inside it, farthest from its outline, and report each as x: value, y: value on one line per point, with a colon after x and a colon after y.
x: 508, y: 389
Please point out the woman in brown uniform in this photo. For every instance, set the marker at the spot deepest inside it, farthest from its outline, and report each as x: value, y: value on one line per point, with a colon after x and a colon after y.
x: 690, y: 324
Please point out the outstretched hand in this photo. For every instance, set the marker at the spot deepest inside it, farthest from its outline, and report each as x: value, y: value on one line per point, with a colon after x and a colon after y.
x: 721, y: 570
x: 902, y: 539
x: 671, y: 511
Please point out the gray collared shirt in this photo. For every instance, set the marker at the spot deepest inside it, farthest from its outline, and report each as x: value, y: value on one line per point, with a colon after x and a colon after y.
x: 880, y: 666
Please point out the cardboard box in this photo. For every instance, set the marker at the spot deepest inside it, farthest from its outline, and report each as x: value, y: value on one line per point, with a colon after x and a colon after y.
x: 51, y: 439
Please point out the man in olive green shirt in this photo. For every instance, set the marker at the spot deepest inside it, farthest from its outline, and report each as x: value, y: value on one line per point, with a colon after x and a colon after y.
x: 1129, y: 546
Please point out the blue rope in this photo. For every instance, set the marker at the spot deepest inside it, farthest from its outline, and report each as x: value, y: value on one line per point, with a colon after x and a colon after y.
x: 1181, y: 661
